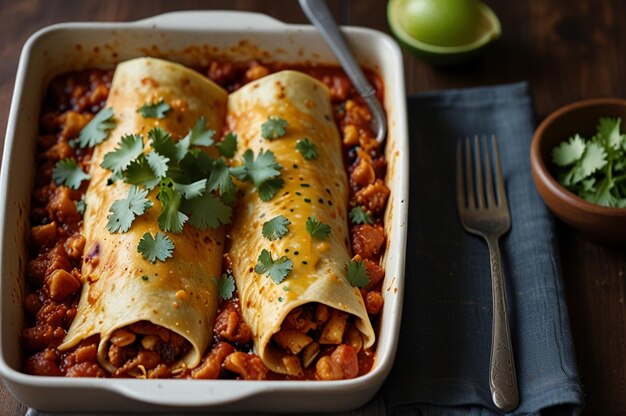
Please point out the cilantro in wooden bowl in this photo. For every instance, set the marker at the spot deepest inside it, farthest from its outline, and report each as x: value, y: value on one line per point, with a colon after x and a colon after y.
x: 578, y: 161
x: 595, y: 168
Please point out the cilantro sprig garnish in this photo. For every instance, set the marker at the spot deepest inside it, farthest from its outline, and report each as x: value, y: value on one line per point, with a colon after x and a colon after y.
x: 67, y: 172
x: 129, y: 149
x: 307, y: 149
x: 276, y: 228
x: 595, y: 169
x: 191, y: 186
x: 277, y: 270
x: 263, y: 172
x: 225, y: 286
x: 155, y: 110
x: 159, y: 247
x: 274, y: 128
x: 98, y: 129
x: 317, y: 229
x: 228, y: 146
x: 199, y: 135
x: 357, y: 274
x: 359, y: 216
x: 123, y: 211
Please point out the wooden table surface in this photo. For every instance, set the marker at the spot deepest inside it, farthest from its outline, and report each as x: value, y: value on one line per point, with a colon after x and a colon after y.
x: 567, y: 50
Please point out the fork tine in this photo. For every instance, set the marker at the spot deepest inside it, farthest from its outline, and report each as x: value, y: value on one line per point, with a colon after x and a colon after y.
x: 460, y: 188
x: 502, y: 201
x: 478, y: 174
x: 469, y: 175
x: 491, y: 202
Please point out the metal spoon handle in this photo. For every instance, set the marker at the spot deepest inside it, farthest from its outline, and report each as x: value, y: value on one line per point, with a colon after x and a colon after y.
x: 320, y: 16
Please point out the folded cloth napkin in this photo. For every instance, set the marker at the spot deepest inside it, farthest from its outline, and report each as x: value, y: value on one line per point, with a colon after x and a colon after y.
x: 442, y: 363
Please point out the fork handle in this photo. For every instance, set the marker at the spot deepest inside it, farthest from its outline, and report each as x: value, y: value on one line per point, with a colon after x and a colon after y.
x: 502, y: 377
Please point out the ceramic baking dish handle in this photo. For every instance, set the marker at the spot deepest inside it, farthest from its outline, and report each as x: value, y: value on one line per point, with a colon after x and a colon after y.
x: 205, y: 19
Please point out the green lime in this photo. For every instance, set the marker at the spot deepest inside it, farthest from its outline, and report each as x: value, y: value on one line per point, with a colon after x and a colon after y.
x: 443, y: 32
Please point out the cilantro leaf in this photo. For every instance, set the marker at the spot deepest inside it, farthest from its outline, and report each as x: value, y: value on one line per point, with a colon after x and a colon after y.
x: 568, y: 152
x: 158, y: 163
x: 156, y: 110
x: 608, y: 132
x: 199, y: 135
x: 192, y: 190
x: 123, y: 211
x: 208, y: 211
x: 170, y: 219
x: 221, y: 180
x: 269, y: 188
x: 194, y: 166
x: 276, y: 270
x: 226, y: 286
x: 276, y: 228
x: 317, y: 229
x: 81, y: 206
x: 155, y: 248
x: 98, y: 129
x: 131, y: 146
x: 593, y: 159
x: 357, y: 274
x: 262, y: 172
x: 307, y: 149
x: 228, y: 145
x: 359, y: 216
x: 273, y: 128
x: 139, y: 172
x: 67, y: 172
x: 264, y: 167
x: 163, y: 143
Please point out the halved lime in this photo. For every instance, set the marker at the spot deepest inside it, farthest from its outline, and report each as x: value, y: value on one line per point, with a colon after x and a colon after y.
x: 443, y: 32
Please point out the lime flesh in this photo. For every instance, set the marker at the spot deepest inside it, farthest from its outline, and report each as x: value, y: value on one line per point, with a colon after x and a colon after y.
x: 443, y: 31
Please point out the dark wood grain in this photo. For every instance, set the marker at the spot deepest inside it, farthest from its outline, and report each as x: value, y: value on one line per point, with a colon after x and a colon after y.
x: 567, y: 50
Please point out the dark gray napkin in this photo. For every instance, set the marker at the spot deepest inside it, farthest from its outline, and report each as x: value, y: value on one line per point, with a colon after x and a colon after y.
x: 443, y: 357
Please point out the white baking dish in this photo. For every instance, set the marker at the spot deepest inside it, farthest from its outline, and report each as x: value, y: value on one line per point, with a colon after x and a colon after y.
x: 188, y: 37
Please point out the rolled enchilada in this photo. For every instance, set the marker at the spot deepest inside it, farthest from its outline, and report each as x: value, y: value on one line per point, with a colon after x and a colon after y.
x: 314, y: 305
x: 168, y: 304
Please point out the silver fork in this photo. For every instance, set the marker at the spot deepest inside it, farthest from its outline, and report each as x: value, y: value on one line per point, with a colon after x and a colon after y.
x: 486, y: 213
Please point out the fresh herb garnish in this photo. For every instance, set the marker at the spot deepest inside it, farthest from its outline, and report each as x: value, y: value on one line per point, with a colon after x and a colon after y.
x: 276, y: 228
x: 595, y: 169
x: 226, y: 286
x: 221, y: 180
x: 155, y: 248
x: 273, y: 128
x: 156, y: 110
x: 123, y: 211
x: 359, y: 216
x: 199, y: 135
x: 228, y: 145
x: 307, y: 149
x: 81, y: 206
x: 275, y: 270
x: 208, y: 211
x: 98, y: 129
x: 170, y: 219
x: 357, y: 274
x: 192, y: 186
x: 129, y: 149
x: 317, y: 229
x: 263, y: 172
x: 67, y: 172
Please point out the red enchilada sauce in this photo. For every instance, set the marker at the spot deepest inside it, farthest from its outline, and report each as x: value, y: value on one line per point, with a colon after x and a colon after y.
x: 53, y: 279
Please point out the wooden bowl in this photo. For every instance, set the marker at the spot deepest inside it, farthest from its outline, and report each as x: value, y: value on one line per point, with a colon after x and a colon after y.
x: 600, y: 224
